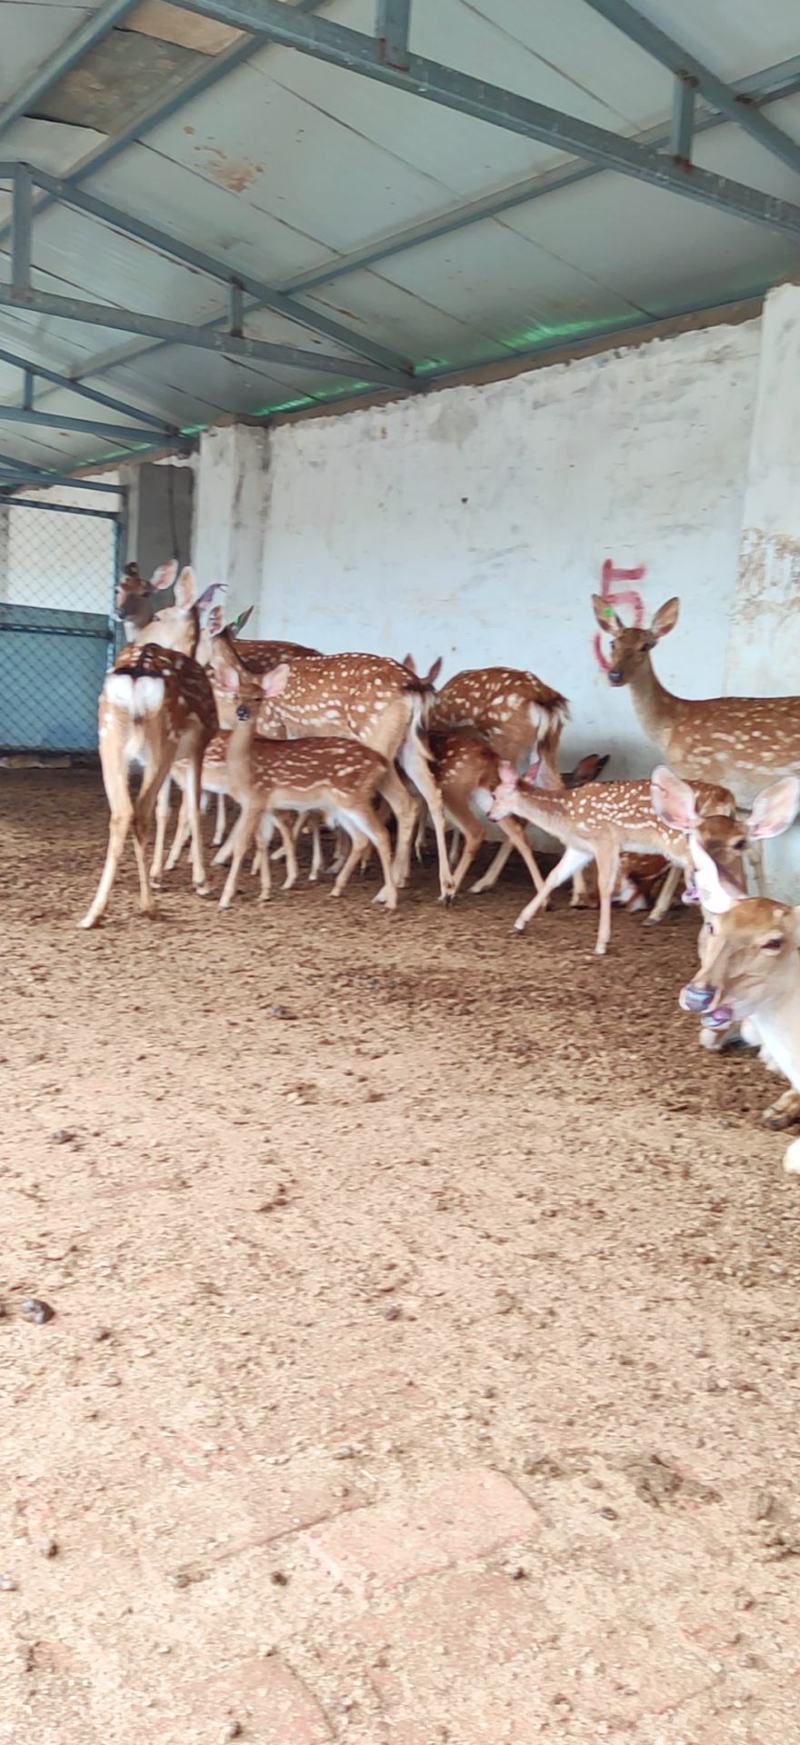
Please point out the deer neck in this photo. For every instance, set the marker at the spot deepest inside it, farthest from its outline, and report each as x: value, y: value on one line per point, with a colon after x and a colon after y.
x: 238, y: 760
x: 656, y: 707
x: 778, y: 1024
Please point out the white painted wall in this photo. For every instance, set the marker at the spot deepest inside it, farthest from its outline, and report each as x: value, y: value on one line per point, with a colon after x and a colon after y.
x: 474, y: 523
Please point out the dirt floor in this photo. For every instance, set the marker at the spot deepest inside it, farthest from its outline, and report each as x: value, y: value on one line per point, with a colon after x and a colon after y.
x: 425, y: 1364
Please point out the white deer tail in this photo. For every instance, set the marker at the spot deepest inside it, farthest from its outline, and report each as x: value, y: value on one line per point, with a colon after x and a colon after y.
x: 139, y: 697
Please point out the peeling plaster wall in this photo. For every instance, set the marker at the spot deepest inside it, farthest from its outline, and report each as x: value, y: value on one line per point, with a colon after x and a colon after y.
x: 474, y: 523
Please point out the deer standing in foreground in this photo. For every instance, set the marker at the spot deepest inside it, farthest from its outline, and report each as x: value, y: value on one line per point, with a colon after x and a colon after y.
x: 155, y: 706
x: 337, y: 776
x: 365, y: 698
x: 716, y: 847
x: 750, y: 972
x: 597, y: 823
x: 739, y: 742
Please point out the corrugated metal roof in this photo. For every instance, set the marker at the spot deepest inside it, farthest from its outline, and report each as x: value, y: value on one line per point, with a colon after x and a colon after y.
x: 287, y: 166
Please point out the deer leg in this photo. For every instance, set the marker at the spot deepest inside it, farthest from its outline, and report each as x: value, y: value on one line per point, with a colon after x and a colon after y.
x: 516, y: 832
x: 405, y: 809
x: 121, y: 808
x: 194, y: 774
x: 579, y: 898
x: 288, y: 836
x: 489, y: 879
x: 154, y: 783
x: 317, y: 859
x: 414, y: 758
x: 240, y: 840
x: 181, y: 836
x: 570, y: 861
x: 219, y: 827
x: 784, y: 1112
x: 162, y: 820
x: 607, y: 857
x: 366, y: 822
x: 473, y: 840
x: 666, y: 894
x: 358, y: 842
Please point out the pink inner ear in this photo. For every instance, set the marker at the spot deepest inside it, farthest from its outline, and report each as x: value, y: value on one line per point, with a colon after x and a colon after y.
x: 228, y: 679
x: 533, y: 769
x: 186, y: 589
x: 274, y: 683
x: 164, y: 576
x: 508, y: 775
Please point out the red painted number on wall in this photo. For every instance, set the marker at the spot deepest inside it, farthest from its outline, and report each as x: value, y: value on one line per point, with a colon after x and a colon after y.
x: 619, y: 596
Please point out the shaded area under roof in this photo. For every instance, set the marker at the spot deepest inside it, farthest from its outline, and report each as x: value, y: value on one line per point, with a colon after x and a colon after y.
x: 389, y: 222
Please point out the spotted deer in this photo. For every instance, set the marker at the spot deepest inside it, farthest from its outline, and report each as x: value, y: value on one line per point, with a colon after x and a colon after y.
x: 716, y: 846
x: 599, y: 822
x: 338, y: 776
x: 750, y: 974
x: 521, y: 717
x: 367, y: 698
x: 739, y: 742
x: 214, y: 780
x: 155, y: 706
x: 258, y: 655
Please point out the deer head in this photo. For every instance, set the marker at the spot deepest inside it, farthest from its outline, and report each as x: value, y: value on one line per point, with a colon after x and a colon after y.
x: 717, y: 843
x: 134, y: 593
x: 505, y: 793
x: 749, y: 959
x: 184, y: 626
x: 630, y: 648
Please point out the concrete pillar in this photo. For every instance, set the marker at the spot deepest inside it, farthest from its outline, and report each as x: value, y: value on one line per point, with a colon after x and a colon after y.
x: 763, y: 652
x: 231, y: 513
x: 160, y: 508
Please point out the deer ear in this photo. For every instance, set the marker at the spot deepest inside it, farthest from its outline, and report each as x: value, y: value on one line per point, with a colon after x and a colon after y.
x: 186, y: 590
x: 607, y: 618
x: 588, y: 769
x: 673, y: 800
x: 409, y: 663
x: 164, y: 576
x: 274, y: 683
x: 435, y: 670
x: 665, y: 618
x: 239, y: 623
x: 715, y: 896
x: 508, y: 775
x: 774, y: 809
x: 227, y: 678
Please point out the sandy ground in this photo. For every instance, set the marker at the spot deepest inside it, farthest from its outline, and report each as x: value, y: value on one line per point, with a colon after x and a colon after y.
x: 425, y: 1359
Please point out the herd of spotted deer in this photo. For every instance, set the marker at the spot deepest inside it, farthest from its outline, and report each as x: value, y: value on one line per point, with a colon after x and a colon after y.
x: 357, y: 741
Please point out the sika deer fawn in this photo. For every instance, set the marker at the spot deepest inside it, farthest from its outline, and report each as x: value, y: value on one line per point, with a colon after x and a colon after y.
x: 155, y: 706
x: 739, y: 742
x: 750, y: 972
x: 366, y: 698
x: 521, y: 717
x: 339, y: 777
x: 597, y: 823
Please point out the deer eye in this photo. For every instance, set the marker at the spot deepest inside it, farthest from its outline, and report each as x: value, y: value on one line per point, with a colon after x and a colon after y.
x: 739, y: 845
x: 773, y: 944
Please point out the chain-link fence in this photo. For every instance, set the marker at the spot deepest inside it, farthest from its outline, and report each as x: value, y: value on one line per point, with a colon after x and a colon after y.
x: 57, y: 573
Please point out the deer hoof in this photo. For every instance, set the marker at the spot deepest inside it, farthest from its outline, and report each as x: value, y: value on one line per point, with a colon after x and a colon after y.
x: 88, y: 922
x: 600, y: 950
